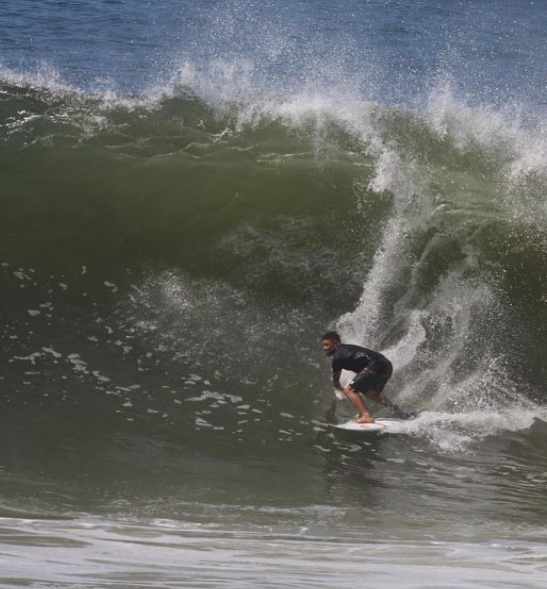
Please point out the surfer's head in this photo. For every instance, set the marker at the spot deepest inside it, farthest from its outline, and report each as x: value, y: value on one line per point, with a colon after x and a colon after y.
x: 331, y: 340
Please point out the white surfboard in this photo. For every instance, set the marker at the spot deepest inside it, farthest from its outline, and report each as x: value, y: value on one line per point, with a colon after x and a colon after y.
x: 382, y: 425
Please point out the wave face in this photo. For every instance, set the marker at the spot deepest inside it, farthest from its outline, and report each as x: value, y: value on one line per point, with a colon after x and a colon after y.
x: 175, y: 239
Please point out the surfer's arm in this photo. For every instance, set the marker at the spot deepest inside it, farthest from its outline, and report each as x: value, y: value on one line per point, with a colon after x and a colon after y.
x: 336, y: 381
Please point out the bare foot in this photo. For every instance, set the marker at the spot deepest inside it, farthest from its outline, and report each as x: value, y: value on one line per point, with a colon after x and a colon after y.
x: 401, y: 414
x: 363, y: 419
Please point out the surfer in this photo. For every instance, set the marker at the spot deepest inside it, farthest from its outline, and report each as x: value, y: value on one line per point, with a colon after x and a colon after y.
x: 372, y: 369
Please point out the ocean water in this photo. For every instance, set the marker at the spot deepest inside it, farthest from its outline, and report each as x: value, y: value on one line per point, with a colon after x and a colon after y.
x: 191, y: 193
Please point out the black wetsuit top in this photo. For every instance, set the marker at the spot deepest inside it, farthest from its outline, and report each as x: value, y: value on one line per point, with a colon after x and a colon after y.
x: 356, y: 358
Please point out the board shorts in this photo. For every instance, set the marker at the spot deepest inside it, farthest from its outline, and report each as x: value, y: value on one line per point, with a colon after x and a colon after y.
x: 374, y: 379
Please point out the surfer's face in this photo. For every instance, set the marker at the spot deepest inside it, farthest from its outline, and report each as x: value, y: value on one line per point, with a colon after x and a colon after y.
x: 329, y: 346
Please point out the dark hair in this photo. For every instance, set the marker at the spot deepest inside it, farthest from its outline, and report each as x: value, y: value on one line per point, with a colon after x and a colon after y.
x: 332, y: 335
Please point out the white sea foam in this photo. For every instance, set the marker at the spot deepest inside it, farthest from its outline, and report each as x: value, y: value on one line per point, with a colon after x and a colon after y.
x: 456, y: 432
x: 206, y: 395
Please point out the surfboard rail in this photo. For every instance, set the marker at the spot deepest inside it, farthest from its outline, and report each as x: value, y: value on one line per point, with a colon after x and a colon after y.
x: 380, y: 425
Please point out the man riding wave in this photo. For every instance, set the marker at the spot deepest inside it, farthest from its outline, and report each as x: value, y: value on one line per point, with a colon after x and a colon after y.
x: 372, y: 369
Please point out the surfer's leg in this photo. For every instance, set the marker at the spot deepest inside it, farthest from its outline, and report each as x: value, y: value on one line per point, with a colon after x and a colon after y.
x: 365, y: 416
x: 378, y: 398
x: 381, y: 400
